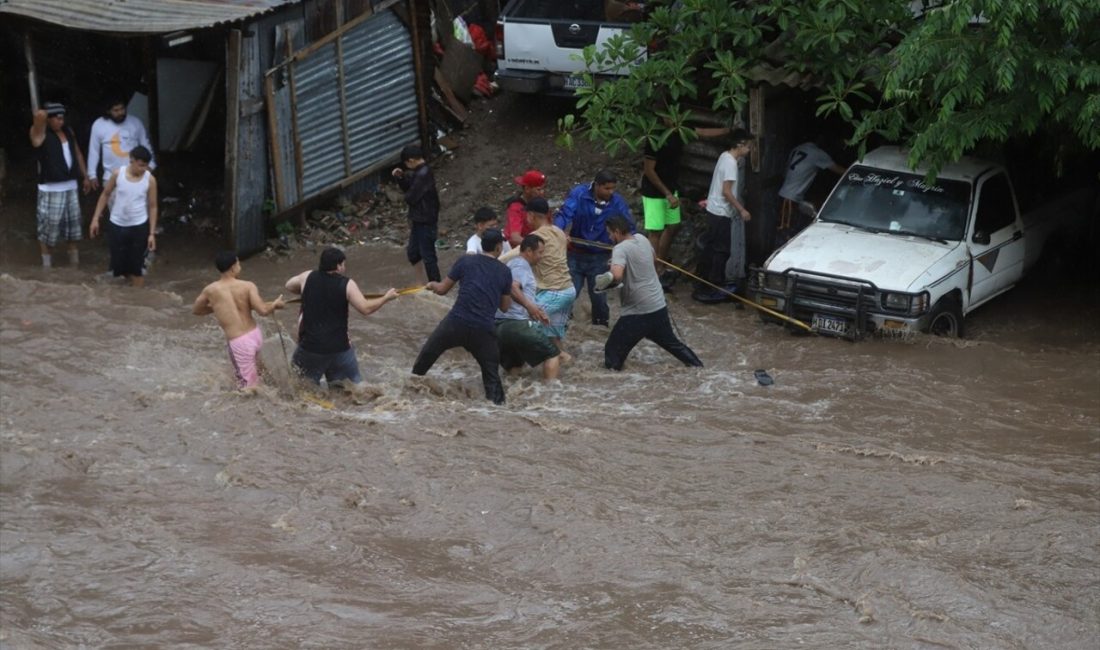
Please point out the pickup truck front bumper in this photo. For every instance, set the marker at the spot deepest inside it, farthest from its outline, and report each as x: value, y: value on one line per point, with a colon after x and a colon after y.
x: 836, y: 305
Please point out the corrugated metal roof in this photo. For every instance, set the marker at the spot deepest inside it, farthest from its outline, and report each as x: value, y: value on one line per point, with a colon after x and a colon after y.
x: 138, y: 16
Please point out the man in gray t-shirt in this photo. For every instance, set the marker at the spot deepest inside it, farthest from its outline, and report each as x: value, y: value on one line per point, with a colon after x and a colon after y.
x: 641, y: 292
x: 802, y: 166
x: 644, y: 313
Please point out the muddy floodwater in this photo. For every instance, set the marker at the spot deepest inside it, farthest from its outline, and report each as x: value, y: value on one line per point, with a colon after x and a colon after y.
x: 918, y: 493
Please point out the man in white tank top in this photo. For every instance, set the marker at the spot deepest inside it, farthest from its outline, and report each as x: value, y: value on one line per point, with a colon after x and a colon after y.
x: 133, y: 216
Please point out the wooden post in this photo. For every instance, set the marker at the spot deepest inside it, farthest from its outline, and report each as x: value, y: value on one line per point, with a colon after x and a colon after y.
x: 344, y: 131
x: 298, y: 166
x: 149, y: 57
x: 756, y: 123
x: 232, y: 128
x: 273, y: 138
x: 418, y: 10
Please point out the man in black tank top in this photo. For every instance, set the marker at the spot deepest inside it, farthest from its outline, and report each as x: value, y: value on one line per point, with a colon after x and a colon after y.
x: 60, y: 172
x: 324, y: 346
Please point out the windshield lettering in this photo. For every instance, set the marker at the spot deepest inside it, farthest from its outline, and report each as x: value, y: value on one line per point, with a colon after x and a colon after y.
x: 879, y: 180
x: 899, y: 203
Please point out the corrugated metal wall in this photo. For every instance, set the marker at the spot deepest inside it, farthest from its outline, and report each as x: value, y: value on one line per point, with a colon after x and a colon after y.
x: 329, y: 132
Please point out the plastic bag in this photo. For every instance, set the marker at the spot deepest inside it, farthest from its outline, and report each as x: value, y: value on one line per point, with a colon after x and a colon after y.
x: 462, y: 32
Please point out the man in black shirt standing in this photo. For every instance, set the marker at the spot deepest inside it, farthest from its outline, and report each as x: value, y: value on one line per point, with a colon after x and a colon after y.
x: 661, y: 191
x: 418, y: 183
x: 60, y: 171
x: 324, y: 346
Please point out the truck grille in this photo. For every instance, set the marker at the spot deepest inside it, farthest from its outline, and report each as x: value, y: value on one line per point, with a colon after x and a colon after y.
x: 840, y: 298
x: 811, y: 294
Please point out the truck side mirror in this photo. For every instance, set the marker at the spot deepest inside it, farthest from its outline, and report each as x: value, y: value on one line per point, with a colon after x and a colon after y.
x: 981, y: 238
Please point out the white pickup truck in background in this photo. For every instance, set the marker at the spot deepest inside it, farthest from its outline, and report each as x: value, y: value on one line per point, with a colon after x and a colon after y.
x: 890, y: 252
x: 540, y: 42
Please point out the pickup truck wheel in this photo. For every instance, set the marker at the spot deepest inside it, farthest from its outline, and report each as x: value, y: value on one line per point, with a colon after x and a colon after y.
x: 946, y: 319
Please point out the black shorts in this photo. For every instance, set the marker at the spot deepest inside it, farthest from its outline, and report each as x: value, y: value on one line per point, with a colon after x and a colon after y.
x: 128, y: 245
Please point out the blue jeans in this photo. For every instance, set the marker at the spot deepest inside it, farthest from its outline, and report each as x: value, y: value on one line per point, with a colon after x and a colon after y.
x: 585, y: 267
x: 338, y: 366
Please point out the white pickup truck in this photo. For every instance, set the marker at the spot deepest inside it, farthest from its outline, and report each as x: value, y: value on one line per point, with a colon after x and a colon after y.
x: 891, y: 252
x: 540, y: 42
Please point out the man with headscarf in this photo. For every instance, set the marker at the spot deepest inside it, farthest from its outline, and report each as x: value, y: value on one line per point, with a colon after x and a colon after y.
x: 60, y: 170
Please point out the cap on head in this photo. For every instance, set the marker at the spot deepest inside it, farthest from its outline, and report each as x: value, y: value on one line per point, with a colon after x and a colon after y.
x: 539, y: 205
x: 484, y: 214
x: 225, y: 260
x: 330, y: 259
x: 531, y: 178
x: 54, y: 108
x: 491, y: 239
x: 411, y: 152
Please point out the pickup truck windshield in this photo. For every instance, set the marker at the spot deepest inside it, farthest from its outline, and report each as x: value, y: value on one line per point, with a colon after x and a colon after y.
x: 887, y: 201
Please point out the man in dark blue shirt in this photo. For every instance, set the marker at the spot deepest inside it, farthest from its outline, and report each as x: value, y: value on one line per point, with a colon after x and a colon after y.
x: 484, y: 285
x: 583, y: 215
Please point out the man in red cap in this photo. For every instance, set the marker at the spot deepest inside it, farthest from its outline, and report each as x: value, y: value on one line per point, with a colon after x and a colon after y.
x: 532, y: 184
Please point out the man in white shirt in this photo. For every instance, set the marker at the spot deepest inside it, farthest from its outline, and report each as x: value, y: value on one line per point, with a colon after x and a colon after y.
x: 485, y: 218
x: 722, y: 261
x: 113, y: 137
x: 802, y: 167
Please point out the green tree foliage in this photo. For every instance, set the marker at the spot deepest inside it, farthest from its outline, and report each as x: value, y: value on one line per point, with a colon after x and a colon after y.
x: 938, y: 78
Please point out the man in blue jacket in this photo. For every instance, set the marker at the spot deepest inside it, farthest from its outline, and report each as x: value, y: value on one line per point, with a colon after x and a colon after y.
x: 583, y: 216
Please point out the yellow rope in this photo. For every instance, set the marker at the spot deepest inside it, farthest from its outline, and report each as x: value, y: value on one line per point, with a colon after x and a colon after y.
x: 772, y: 312
x: 370, y: 296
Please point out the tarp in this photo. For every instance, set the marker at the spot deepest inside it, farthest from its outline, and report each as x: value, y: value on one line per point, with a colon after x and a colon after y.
x: 139, y: 16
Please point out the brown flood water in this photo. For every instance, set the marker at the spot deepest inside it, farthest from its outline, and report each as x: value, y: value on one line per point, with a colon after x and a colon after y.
x: 906, y: 494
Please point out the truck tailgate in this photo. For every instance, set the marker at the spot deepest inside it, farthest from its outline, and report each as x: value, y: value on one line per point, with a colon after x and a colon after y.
x: 542, y: 46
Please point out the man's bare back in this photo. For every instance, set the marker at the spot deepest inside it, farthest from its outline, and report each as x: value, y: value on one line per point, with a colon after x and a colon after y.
x: 232, y: 302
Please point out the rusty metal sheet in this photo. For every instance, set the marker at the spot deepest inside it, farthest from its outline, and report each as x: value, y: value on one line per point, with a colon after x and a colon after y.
x: 377, y: 99
x: 139, y: 16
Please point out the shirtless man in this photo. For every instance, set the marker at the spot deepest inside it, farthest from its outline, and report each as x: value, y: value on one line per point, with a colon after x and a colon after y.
x: 232, y: 302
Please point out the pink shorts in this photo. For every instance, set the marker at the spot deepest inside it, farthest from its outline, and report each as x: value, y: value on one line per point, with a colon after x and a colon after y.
x: 244, y: 353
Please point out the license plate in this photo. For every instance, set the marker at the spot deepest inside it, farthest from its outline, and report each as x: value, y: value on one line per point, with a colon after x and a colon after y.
x: 830, y: 325
x: 575, y: 81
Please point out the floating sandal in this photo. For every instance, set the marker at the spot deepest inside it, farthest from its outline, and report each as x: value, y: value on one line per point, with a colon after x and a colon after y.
x: 763, y: 378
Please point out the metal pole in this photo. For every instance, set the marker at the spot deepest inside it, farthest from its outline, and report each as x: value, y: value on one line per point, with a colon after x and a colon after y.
x: 32, y: 77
